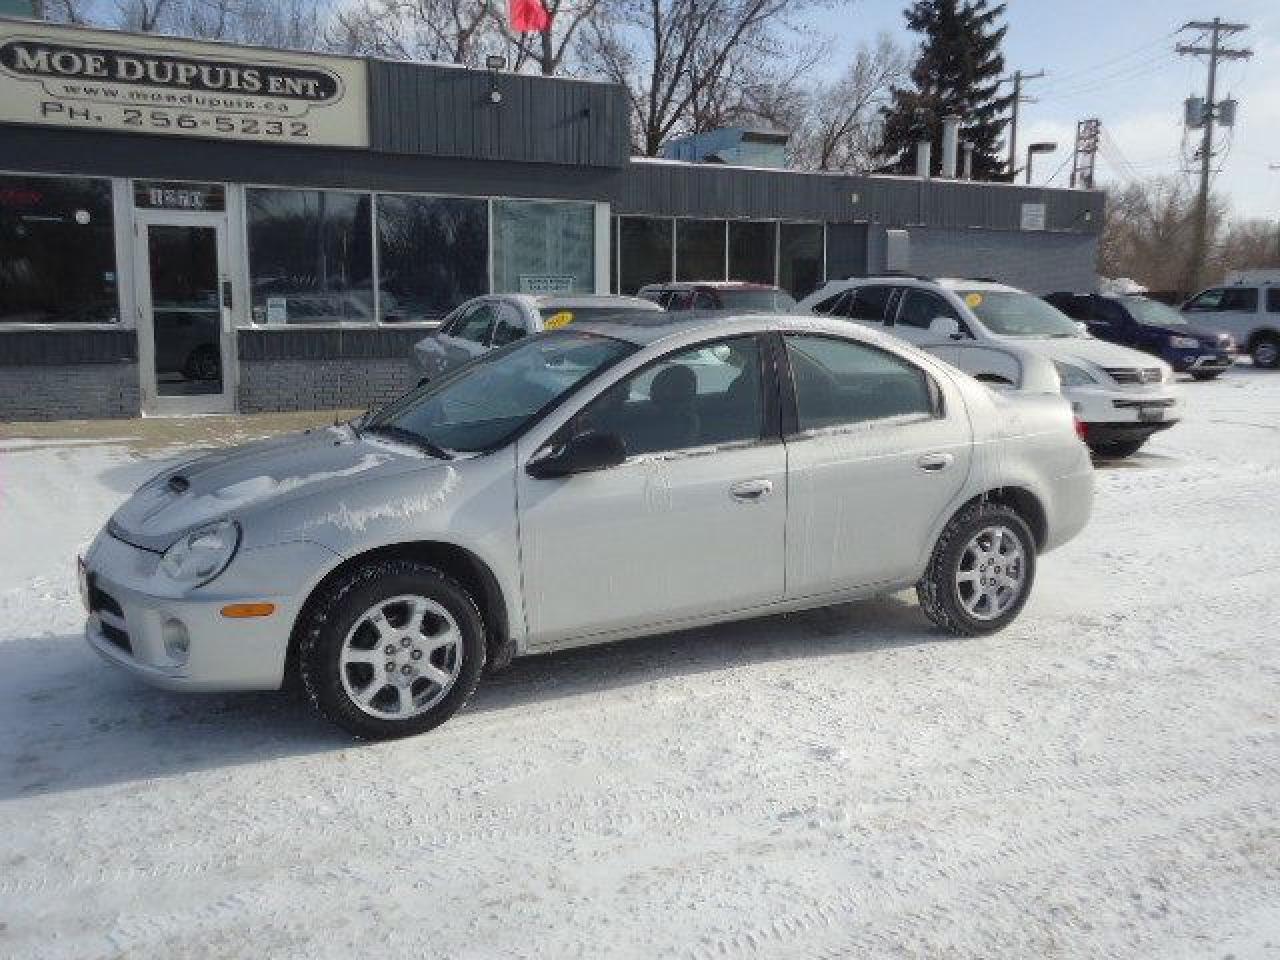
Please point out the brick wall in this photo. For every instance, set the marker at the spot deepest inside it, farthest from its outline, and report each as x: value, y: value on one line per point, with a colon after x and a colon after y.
x: 271, y: 385
x: 92, y: 391
x: 1037, y: 261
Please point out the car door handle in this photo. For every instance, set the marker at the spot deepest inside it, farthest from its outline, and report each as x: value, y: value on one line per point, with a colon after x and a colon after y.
x: 935, y: 461
x: 750, y: 491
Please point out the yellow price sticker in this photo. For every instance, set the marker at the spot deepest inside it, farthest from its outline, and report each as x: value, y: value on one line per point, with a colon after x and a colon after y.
x: 558, y: 320
x: 973, y: 300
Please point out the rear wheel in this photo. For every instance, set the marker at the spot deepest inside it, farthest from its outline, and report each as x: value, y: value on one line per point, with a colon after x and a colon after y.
x: 392, y: 649
x: 1265, y: 351
x: 981, y: 571
x: 1118, y: 449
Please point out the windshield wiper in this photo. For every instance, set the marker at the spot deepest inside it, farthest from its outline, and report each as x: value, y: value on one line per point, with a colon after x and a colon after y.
x: 412, y: 438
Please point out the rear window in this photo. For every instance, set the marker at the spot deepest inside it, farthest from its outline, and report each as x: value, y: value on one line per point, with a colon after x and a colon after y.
x: 759, y: 301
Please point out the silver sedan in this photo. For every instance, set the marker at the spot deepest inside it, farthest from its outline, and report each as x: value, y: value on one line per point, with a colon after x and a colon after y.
x: 495, y: 320
x: 598, y: 482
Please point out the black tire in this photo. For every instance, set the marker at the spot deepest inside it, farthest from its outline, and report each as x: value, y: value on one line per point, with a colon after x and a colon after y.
x: 1205, y: 374
x: 1265, y: 351
x: 1117, y: 449
x: 337, y: 611
x: 938, y: 590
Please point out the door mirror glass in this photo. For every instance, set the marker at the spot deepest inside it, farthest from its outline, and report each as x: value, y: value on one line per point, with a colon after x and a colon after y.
x: 945, y: 327
x: 585, y: 452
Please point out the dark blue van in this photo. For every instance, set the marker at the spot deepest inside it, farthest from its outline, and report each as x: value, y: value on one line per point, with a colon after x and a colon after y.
x: 1153, y: 327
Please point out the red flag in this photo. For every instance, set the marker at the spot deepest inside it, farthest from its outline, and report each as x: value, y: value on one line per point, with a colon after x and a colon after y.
x: 529, y: 16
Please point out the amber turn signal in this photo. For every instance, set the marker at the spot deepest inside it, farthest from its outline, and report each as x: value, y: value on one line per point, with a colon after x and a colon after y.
x: 238, y: 611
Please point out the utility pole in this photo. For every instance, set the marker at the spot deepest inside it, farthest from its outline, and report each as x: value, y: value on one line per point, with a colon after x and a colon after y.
x: 1216, y: 29
x: 1086, y: 152
x: 1017, y: 79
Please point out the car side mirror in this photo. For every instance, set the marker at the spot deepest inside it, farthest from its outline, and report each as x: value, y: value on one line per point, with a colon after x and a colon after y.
x: 583, y: 453
x: 947, y: 328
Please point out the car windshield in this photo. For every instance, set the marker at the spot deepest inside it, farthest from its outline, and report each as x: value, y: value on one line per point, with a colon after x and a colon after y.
x: 554, y: 316
x: 1153, y: 313
x: 1012, y: 313
x: 759, y: 301
x: 486, y: 402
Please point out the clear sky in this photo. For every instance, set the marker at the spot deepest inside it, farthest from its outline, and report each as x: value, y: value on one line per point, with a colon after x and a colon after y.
x: 1114, y: 59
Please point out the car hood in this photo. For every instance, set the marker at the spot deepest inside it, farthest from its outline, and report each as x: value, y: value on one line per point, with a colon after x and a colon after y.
x: 1091, y: 350
x: 227, y: 482
x: 1206, y: 335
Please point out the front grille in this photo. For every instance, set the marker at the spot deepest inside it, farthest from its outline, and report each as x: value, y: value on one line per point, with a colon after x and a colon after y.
x: 1133, y: 374
x: 110, y: 617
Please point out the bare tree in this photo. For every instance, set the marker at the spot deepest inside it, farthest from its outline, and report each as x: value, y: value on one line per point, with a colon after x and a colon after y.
x: 683, y: 63
x: 295, y: 24
x: 451, y: 31
x: 63, y: 11
x: 1148, y: 235
x: 839, y: 125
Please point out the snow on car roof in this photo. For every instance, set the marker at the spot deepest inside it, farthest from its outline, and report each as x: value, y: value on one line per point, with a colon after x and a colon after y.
x: 961, y: 283
x: 583, y: 300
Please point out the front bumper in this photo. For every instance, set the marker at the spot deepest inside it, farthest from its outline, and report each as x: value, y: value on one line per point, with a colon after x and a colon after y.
x: 131, y: 607
x: 1199, y: 361
x: 1130, y: 411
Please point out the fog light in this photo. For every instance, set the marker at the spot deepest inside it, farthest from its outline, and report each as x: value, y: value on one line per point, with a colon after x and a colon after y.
x: 177, y: 643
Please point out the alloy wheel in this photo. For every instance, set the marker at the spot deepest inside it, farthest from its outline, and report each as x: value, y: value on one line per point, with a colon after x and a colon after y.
x: 992, y: 572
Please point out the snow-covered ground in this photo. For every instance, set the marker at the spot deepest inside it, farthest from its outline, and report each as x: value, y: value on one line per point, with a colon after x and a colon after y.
x: 1100, y: 780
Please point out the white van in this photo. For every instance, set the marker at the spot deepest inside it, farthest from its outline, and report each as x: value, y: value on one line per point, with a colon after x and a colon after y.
x: 1247, y: 306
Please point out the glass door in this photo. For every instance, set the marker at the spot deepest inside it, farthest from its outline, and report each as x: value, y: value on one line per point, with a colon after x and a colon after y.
x: 184, y: 306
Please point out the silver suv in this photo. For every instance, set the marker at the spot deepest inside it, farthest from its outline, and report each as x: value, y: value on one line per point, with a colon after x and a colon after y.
x: 1249, y: 311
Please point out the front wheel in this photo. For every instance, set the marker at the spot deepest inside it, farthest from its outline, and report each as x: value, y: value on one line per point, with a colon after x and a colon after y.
x: 1266, y: 352
x: 981, y: 571
x: 392, y: 649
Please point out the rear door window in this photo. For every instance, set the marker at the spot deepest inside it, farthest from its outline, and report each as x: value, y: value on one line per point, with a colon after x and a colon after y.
x: 835, y: 306
x: 870, y: 304
x: 475, y: 324
x: 1209, y: 300
x: 1273, y: 299
x: 511, y: 325
x: 838, y: 383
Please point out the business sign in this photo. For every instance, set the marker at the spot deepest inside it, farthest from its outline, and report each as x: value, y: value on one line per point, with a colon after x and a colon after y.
x: 97, y: 80
x: 1033, y: 216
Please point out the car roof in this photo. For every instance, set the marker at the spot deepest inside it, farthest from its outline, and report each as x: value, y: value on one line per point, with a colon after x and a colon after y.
x: 711, y: 285
x: 700, y: 324
x: 581, y: 301
x: 962, y: 283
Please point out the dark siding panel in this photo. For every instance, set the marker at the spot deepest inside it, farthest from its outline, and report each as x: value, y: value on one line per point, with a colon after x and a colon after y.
x: 446, y: 112
x: 846, y: 250
x: 62, y: 347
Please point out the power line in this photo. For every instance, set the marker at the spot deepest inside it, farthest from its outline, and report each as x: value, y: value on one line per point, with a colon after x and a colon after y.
x: 1102, y: 64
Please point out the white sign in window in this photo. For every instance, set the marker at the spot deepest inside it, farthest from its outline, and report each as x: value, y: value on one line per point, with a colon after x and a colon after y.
x: 1033, y: 216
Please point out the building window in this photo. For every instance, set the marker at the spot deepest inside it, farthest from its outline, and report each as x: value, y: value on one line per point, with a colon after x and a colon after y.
x: 644, y: 252
x: 310, y: 256
x: 543, y: 247
x: 433, y: 254
x: 752, y: 246
x: 57, y: 251
x: 700, y: 250
x: 800, y: 258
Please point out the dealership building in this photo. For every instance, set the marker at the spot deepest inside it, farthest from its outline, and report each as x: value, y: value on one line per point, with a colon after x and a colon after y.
x: 189, y: 227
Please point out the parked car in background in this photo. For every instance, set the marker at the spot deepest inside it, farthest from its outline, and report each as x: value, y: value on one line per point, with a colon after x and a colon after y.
x: 543, y: 497
x: 495, y: 320
x: 719, y: 295
x: 1120, y: 396
x: 1249, y: 310
x: 1152, y: 327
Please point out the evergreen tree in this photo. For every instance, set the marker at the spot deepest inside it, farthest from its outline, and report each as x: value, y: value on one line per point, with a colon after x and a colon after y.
x: 957, y: 72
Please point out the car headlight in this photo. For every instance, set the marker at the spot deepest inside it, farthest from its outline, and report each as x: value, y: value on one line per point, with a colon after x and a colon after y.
x: 1073, y: 376
x: 202, y: 554
x: 1184, y: 343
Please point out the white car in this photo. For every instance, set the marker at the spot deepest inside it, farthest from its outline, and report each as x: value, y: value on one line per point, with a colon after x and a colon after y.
x: 1120, y: 396
x: 1249, y: 310
x: 495, y: 320
x: 597, y: 482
